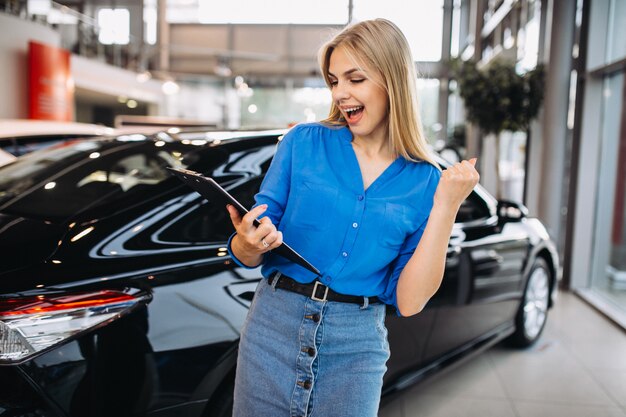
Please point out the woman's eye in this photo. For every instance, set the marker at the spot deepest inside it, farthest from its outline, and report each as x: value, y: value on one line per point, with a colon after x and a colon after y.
x: 333, y: 83
x: 359, y: 80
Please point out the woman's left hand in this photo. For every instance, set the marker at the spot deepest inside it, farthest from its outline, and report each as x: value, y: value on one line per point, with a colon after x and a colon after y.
x: 456, y: 183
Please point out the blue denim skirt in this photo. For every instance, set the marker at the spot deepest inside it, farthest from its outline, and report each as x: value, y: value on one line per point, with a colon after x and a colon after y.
x: 300, y: 357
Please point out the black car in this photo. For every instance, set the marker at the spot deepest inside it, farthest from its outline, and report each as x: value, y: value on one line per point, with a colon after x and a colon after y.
x: 118, y: 297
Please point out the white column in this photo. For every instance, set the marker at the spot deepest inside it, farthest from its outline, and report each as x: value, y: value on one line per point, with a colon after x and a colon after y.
x: 551, y: 207
x: 163, y: 36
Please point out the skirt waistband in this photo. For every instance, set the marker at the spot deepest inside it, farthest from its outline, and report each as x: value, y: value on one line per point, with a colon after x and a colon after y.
x: 316, y: 290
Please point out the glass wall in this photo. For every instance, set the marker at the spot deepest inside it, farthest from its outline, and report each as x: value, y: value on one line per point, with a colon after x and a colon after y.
x: 282, y: 107
x: 328, y: 12
x: 598, y: 261
x: 608, y: 277
x: 421, y: 21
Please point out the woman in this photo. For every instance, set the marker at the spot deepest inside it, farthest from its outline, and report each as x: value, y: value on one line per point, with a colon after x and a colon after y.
x: 360, y: 197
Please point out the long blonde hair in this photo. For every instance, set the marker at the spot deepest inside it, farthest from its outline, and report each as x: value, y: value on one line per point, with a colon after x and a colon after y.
x: 379, y: 45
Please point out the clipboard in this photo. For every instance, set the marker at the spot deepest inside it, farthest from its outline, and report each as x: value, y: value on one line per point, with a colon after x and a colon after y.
x: 208, y: 188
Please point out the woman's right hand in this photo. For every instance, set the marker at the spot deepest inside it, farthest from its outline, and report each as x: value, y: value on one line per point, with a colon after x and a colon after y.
x: 455, y: 185
x: 251, y: 242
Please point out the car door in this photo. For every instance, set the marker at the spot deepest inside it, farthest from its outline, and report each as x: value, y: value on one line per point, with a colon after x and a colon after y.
x: 407, y: 341
x: 197, y: 311
x: 479, y: 293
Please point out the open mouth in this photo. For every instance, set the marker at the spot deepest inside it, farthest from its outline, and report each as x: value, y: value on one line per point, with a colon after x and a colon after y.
x: 354, y: 113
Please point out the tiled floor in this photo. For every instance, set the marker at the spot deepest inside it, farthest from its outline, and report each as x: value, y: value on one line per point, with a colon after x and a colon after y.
x: 577, y: 369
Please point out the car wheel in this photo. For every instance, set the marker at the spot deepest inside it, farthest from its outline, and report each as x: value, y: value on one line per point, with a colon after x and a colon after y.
x: 533, y: 311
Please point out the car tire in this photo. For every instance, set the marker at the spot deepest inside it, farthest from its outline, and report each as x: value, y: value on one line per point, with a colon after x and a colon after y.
x: 532, y: 314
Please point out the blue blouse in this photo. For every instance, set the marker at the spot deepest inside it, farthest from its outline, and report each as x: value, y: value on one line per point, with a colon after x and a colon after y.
x: 359, y: 239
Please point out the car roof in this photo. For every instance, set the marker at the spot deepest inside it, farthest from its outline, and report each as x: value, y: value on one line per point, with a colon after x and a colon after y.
x: 23, y: 127
x: 6, y: 157
x: 11, y: 128
x: 211, y: 135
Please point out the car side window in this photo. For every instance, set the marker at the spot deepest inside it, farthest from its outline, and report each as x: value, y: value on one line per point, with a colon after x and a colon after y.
x: 473, y: 208
x: 131, y: 171
x: 94, y: 179
x: 206, y: 222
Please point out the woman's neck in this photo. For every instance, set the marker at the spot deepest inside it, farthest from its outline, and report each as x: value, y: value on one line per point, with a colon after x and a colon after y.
x: 373, y: 147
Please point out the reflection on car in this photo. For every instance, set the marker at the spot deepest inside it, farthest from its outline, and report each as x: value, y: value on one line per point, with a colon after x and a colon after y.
x: 118, y: 297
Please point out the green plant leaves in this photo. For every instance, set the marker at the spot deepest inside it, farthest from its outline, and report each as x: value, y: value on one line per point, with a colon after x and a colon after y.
x: 497, y: 98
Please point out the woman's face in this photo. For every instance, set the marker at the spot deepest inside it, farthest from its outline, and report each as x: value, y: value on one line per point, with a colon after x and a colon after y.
x: 362, y: 101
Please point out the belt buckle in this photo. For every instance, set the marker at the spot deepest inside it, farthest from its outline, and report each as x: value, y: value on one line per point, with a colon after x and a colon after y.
x: 313, y: 295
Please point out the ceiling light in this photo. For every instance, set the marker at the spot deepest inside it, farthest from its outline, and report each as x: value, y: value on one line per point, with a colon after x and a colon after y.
x: 222, y: 70
x: 170, y: 88
x: 142, y: 77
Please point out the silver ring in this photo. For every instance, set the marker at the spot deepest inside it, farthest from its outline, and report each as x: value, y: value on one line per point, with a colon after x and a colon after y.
x: 265, y: 244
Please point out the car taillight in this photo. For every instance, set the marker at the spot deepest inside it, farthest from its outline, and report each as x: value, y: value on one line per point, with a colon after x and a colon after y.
x: 31, y: 325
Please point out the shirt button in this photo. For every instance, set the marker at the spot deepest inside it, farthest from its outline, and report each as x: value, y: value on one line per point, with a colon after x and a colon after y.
x: 355, y: 225
x: 345, y: 254
x: 360, y: 198
x: 315, y: 318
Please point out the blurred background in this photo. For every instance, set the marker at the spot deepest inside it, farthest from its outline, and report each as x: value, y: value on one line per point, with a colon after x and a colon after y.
x: 534, y: 88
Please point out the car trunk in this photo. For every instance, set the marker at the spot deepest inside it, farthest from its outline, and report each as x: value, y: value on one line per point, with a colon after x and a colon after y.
x: 26, y: 241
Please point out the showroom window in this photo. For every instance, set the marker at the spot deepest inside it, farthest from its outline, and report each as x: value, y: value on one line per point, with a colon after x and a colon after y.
x: 598, y: 261
x: 282, y: 107
x: 608, y: 272
x: 266, y: 106
x: 150, y: 21
x: 428, y: 97
x: 114, y: 26
x: 330, y: 12
x: 421, y: 22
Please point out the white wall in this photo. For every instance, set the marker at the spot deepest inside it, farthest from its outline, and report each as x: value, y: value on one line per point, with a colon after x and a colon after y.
x: 202, y: 102
x: 106, y: 79
x: 15, y: 33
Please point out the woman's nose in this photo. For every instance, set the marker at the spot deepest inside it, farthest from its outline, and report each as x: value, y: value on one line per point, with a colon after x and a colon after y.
x: 340, y: 92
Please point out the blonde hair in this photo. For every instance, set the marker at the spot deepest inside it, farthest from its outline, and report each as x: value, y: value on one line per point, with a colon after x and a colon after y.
x: 379, y: 45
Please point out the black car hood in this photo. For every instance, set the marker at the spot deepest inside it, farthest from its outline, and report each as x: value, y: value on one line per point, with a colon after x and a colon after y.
x: 26, y: 241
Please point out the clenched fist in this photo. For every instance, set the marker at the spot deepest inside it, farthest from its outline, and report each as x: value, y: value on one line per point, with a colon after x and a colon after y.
x: 456, y: 183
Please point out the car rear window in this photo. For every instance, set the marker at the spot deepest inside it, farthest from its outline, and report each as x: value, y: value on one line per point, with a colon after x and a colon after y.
x: 22, y: 145
x: 57, y: 182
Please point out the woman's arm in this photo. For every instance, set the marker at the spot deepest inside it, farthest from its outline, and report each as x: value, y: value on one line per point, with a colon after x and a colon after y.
x: 421, y: 277
x: 248, y: 244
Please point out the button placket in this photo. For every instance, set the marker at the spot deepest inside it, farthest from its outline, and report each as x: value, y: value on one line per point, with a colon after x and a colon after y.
x: 343, y: 255
x: 305, y: 378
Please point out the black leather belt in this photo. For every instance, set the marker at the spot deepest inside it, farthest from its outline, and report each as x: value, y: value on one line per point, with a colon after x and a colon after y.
x: 317, y: 291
